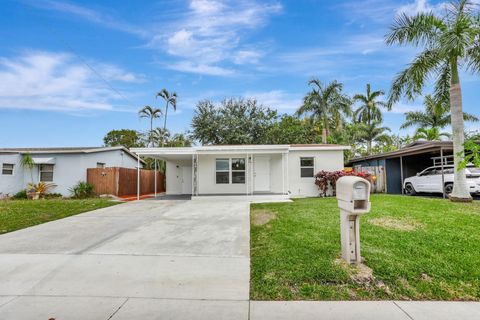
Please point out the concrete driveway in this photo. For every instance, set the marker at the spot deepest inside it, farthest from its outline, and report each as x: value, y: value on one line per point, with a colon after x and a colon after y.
x: 141, y: 260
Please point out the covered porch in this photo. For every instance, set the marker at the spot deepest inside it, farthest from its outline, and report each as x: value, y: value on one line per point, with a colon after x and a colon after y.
x: 222, y: 170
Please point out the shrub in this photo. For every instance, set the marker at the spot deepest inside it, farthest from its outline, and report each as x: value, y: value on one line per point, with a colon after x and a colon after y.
x: 327, y: 180
x: 82, y: 190
x: 52, y: 196
x: 20, y: 195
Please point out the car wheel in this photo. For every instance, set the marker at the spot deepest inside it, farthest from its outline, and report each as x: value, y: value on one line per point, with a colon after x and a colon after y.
x: 448, y: 188
x: 410, y: 190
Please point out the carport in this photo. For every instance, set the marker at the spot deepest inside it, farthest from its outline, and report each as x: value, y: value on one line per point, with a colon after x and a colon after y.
x: 406, y: 162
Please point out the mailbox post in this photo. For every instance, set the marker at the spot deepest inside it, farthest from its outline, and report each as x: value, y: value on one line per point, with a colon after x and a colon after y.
x: 353, y: 195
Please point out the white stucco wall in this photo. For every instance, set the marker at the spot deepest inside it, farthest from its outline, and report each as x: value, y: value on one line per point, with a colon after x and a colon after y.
x: 68, y: 169
x: 10, y: 184
x: 324, y: 160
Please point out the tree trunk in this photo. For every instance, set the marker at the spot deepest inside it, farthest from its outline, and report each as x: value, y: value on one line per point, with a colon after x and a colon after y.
x: 460, y: 191
x: 369, y: 147
x: 165, y: 125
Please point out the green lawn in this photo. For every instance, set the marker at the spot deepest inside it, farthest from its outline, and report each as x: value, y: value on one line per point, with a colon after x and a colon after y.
x: 417, y: 248
x: 19, y: 214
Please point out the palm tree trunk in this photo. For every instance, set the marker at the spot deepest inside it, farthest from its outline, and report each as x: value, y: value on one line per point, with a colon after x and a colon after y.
x: 165, y: 125
x: 460, y: 191
x: 369, y: 147
x: 150, y: 138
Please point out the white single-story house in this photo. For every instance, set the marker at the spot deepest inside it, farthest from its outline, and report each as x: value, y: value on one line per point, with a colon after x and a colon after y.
x: 62, y: 166
x: 246, y: 169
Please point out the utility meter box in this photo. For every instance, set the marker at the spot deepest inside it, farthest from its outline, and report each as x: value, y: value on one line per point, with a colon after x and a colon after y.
x: 353, y: 196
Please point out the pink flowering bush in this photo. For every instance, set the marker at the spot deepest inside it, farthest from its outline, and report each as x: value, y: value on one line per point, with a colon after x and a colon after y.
x: 326, y: 180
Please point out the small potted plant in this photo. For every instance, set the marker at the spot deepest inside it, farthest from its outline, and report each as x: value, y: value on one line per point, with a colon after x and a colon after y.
x: 35, y: 191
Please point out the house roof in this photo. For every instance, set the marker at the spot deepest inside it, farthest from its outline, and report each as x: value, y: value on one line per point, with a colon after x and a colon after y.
x: 184, y: 152
x: 65, y: 150
x: 416, y: 147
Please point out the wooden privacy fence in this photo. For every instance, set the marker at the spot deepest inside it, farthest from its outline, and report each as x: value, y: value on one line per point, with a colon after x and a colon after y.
x: 379, y: 184
x: 123, y: 181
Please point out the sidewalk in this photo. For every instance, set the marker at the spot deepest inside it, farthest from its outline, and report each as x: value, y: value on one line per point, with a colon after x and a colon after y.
x: 364, y: 310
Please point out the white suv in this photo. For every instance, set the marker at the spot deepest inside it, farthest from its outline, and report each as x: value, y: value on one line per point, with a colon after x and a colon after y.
x: 430, y: 180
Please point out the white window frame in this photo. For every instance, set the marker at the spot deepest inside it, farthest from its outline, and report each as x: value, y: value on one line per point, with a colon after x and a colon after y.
x: 12, y: 169
x: 230, y: 171
x: 40, y: 171
x: 307, y: 167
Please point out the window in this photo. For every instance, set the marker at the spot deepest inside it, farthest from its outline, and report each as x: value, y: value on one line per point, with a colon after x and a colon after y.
x: 101, y: 165
x: 46, y: 172
x: 7, y: 169
x: 238, y: 170
x: 222, y: 172
x: 307, y: 167
x: 230, y: 171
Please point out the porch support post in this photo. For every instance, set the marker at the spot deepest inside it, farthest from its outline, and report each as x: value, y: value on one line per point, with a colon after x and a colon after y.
x: 283, y: 173
x: 247, y: 172
x: 193, y: 174
x: 138, y: 177
x: 288, y: 173
x: 401, y: 173
x: 443, y: 173
x: 155, y: 178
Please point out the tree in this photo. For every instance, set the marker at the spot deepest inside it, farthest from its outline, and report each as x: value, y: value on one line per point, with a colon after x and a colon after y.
x: 369, y: 109
x: 159, y: 137
x: 152, y: 114
x: 430, y: 134
x: 448, y: 42
x: 170, y: 99
x: 27, y: 162
x: 123, y: 137
x: 234, y: 121
x: 292, y: 130
x: 435, y: 115
x: 370, y: 133
x: 326, y: 104
x: 179, y: 140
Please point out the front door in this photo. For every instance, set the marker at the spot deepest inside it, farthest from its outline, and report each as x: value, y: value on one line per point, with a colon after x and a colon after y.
x: 261, y: 173
x: 186, y: 180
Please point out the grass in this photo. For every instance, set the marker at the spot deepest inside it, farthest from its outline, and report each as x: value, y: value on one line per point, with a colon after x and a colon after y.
x: 416, y: 248
x: 19, y: 214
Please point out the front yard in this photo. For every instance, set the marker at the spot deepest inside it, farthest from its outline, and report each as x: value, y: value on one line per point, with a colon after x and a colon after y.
x: 19, y: 214
x: 414, y: 248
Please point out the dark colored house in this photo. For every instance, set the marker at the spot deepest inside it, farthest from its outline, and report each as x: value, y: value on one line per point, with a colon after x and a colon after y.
x: 406, y: 162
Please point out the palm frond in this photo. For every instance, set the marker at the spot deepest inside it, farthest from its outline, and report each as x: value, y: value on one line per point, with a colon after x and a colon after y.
x: 421, y: 29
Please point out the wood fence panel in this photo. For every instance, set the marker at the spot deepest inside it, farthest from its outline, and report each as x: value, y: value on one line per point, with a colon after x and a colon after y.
x: 123, y: 181
x: 380, y: 182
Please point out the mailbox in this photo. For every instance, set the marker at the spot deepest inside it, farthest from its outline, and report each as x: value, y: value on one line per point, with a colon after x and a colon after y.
x: 353, y: 196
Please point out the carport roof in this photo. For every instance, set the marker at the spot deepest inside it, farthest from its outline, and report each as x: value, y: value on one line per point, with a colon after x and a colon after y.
x: 233, y: 149
x: 416, y: 147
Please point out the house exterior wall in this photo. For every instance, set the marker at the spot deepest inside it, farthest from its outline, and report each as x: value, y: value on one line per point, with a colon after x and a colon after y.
x: 69, y: 169
x: 10, y: 184
x: 174, y: 175
x: 206, y: 176
x: 323, y: 160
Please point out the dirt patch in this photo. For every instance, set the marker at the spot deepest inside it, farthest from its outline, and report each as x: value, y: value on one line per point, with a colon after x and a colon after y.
x: 396, y: 224
x: 262, y: 217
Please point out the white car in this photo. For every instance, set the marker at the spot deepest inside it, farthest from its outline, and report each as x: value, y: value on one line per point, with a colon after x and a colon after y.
x: 430, y: 180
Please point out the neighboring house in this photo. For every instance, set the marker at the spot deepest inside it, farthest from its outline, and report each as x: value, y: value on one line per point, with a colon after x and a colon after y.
x: 246, y: 169
x: 406, y: 162
x: 61, y: 166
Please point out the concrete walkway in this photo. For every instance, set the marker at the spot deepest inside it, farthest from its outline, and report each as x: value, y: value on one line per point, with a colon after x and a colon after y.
x: 161, y: 260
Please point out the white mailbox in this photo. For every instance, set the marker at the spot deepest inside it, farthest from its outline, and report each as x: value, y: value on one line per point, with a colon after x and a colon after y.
x: 353, y: 195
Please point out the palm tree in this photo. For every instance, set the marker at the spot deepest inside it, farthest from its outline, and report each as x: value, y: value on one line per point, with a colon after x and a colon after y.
x: 159, y: 136
x: 28, y: 163
x: 325, y: 103
x: 430, y: 134
x: 170, y: 99
x: 372, y: 132
x: 151, y: 113
x: 369, y: 110
x: 436, y: 115
x: 449, y: 42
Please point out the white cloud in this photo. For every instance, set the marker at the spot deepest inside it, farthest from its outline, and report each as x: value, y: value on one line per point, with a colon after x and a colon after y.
x: 277, y: 99
x: 54, y: 81
x: 402, y: 107
x: 211, y: 33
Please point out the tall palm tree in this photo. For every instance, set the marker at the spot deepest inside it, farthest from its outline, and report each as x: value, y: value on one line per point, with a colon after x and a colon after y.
x: 159, y: 136
x: 372, y: 132
x: 436, y: 115
x: 369, y: 110
x: 170, y: 99
x: 448, y: 42
x: 430, y: 134
x: 325, y: 103
x: 150, y: 113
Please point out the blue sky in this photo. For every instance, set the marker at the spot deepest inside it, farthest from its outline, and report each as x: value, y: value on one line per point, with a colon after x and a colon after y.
x: 70, y: 71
